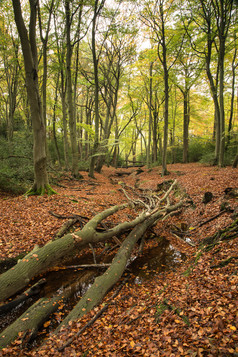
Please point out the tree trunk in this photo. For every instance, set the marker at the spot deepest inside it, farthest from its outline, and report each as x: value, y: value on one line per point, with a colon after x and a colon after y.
x: 104, y: 283
x: 234, y: 66
x: 163, y: 60
x: 150, y: 115
x: 97, y: 9
x: 29, y: 49
x: 185, y: 125
x: 221, y: 99
x: 235, y: 162
x: 71, y: 111
x: 54, y: 121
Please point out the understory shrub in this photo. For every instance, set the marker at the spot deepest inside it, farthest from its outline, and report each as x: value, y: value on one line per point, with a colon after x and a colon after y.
x: 16, y: 164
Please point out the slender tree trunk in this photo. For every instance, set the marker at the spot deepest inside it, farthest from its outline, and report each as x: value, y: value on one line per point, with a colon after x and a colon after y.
x: 97, y: 8
x: 150, y: 115
x: 221, y: 99
x: 54, y: 121
x: 185, y: 125
x: 163, y: 60
x: 234, y: 66
x: 166, y: 120
x: 71, y: 110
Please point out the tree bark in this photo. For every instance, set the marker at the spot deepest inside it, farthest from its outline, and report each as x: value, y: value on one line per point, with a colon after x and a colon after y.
x: 32, y: 319
x: 97, y: 8
x: 71, y: 111
x: 29, y: 50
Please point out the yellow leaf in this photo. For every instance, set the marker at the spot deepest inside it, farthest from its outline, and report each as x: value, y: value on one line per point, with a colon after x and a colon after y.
x: 233, y: 328
x: 46, y: 324
x: 132, y: 343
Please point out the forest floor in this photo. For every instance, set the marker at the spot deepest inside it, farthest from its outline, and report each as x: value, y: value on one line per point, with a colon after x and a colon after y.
x: 190, y: 310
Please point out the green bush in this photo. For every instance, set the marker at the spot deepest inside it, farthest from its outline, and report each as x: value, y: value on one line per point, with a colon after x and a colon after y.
x: 231, y: 151
x: 16, y: 166
x: 175, y: 154
x: 52, y: 153
x: 201, y: 149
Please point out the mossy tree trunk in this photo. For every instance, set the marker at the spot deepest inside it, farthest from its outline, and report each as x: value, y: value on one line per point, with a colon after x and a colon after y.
x: 53, y: 252
x: 29, y: 49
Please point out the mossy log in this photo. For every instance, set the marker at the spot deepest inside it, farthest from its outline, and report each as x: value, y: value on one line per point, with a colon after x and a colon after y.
x: 32, y: 319
x: 105, y: 282
x: 40, y: 260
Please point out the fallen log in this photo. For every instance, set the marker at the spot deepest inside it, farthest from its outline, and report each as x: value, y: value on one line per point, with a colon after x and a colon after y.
x: 100, y: 312
x: 53, y: 252
x: 33, y: 290
x: 31, y: 320
x: 105, y: 282
x: 41, y: 259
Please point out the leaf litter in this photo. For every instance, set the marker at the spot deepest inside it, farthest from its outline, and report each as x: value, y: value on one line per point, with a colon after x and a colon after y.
x: 190, y: 311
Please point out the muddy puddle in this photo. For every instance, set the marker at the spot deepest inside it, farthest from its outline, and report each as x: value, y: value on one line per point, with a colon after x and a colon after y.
x: 161, y: 258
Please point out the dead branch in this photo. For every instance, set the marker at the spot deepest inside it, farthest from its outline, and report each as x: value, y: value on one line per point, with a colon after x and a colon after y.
x: 33, y: 290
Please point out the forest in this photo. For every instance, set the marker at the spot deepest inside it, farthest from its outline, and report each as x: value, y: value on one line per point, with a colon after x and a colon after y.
x: 118, y: 177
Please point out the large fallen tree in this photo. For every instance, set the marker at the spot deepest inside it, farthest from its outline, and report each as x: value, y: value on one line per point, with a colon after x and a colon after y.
x: 41, y: 259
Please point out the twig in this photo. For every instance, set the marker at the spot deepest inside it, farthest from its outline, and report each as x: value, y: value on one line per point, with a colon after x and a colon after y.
x: 94, y: 255
x: 210, y: 219
x: 60, y: 216
x: 87, y: 266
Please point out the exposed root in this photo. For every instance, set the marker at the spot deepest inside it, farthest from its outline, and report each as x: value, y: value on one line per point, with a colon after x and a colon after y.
x: 47, y: 189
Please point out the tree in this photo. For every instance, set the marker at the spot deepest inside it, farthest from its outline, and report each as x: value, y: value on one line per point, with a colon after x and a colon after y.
x: 187, y: 70
x: 213, y: 20
x: 71, y: 102
x: 157, y: 16
x: 29, y: 49
x: 10, y: 69
x: 44, y: 40
x: 117, y: 53
x: 223, y: 13
x: 98, y: 6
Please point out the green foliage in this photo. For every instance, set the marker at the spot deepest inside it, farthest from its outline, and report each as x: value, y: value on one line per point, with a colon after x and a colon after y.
x: 84, y: 165
x: 175, y: 154
x: 52, y: 153
x: 231, y: 152
x: 201, y: 149
x: 16, y: 167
